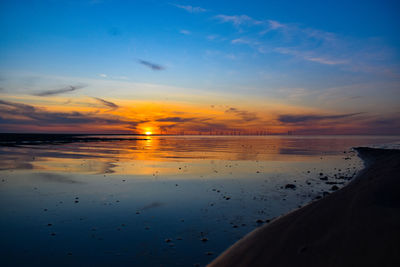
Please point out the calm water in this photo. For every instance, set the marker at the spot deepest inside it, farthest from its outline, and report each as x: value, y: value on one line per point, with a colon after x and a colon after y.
x: 163, y: 201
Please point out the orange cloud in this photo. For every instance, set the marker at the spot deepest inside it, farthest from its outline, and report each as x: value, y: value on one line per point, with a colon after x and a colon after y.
x: 95, y: 115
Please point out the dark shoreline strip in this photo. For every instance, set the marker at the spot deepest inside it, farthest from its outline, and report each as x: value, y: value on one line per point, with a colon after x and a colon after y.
x: 358, y: 225
x: 55, y: 139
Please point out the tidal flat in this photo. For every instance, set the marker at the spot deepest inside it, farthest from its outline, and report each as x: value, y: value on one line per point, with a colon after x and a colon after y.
x: 159, y: 200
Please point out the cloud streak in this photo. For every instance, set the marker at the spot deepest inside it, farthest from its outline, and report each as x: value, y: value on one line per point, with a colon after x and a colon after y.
x: 313, y: 118
x: 106, y: 103
x: 151, y: 65
x: 185, y: 32
x: 191, y: 9
x: 238, y: 20
x: 22, y: 114
x: 175, y: 119
x: 308, y: 56
x: 66, y: 89
x: 243, y: 114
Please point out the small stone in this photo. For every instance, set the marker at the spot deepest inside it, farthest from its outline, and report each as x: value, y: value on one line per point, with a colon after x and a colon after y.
x: 209, y: 253
x: 204, y: 239
x: 290, y: 186
x: 167, y: 240
x: 49, y: 224
x: 53, y: 234
x: 334, y: 188
x: 259, y: 221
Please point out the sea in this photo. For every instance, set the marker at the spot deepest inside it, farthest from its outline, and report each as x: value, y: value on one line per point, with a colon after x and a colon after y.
x: 108, y: 200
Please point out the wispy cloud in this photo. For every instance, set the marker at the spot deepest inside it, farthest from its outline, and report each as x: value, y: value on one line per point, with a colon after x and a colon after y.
x: 13, y: 113
x: 243, y: 41
x: 238, y: 20
x: 243, y: 114
x: 175, y: 119
x: 312, y: 117
x: 151, y: 65
x: 271, y: 25
x: 308, y: 44
x: 191, y: 9
x: 212, y: 37
x: 308, y: 55
x: 185, y: 32
x: 106, y: 103
x: 67, y: 89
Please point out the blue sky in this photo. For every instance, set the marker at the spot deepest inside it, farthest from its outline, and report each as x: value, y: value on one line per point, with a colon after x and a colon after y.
x: 330, y: 56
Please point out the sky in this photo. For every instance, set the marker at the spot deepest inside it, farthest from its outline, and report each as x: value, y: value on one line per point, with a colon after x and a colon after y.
x: 200, y: 67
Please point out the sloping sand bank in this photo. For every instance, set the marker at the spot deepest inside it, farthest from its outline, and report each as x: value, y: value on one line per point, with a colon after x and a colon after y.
x: 358, y: 225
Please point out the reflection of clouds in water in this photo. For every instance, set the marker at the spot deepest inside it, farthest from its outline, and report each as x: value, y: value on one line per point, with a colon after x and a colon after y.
x: 13, y: 162
x: 165, y: 155
x: 56, y: 178
x: 107, y: 167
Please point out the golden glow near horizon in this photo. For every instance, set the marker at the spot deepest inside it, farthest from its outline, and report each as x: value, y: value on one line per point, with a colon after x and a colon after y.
x: 176, y: 117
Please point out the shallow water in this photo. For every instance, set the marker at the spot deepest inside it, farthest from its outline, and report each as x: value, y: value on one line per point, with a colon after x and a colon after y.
x: 163, y: 201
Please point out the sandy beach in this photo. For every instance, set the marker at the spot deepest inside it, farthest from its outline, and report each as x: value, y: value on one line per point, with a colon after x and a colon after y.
x: 355, y: 226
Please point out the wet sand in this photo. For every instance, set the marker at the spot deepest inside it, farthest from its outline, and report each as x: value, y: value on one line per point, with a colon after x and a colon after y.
x: 358, y: 225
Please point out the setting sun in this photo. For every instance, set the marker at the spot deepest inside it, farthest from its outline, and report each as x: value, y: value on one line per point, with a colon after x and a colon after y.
x: 148, y: 133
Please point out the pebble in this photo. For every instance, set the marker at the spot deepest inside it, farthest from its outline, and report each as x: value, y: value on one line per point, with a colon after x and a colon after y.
x: 290, y: 186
